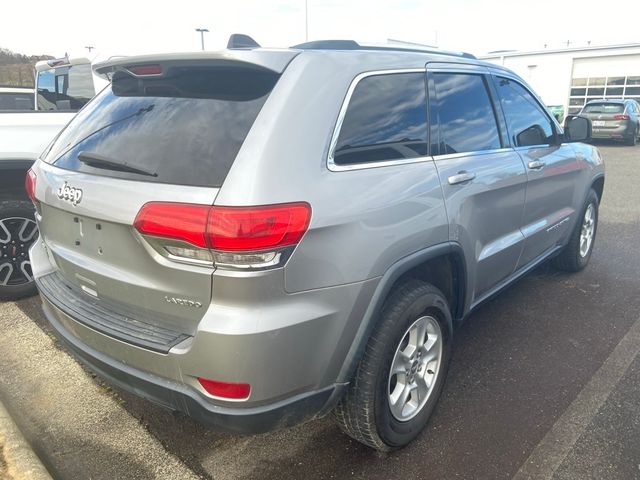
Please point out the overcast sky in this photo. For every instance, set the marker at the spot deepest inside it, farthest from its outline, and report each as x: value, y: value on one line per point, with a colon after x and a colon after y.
x: 124, y: 27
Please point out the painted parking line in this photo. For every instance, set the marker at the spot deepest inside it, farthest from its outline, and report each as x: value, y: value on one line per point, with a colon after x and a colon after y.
x: 549, y: 454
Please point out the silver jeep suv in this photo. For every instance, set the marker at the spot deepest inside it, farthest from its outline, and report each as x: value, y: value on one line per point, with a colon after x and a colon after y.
x: 259, y: 237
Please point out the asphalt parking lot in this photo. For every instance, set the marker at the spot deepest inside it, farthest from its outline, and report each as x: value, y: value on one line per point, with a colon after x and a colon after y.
x: 543, y: 384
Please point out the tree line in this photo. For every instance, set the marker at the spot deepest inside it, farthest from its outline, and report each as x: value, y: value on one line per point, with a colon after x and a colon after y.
x: 16, y: 69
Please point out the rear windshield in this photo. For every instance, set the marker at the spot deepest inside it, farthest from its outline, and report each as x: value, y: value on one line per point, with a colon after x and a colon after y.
x: 603, y: 108
x: 184, y: 127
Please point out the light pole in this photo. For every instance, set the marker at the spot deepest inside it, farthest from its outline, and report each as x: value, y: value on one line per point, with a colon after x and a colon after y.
x: 306, y: 20
x: 202, y: 32
x: 89, y: 48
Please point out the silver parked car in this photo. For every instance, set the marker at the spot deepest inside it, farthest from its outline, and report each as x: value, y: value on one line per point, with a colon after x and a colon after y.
x: 614, y: 119
x: 258, y: 237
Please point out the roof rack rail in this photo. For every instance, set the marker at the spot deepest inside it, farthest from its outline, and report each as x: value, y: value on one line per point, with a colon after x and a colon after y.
x: 353, y: 45
x: 329, y: 45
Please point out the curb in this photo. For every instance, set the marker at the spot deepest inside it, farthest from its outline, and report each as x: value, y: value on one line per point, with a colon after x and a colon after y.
x: 21, y: 461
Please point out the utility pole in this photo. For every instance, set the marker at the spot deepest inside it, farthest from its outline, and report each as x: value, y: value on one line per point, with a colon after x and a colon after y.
x: 89, y: 48
x: 306, y: 20
x: 202, y: 32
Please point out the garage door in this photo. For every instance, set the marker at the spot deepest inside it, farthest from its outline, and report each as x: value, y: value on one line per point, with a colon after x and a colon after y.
x: 613, y: 77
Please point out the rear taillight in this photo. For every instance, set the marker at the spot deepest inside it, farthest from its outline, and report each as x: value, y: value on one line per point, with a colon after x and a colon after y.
x: 232, y: 391
x: 235, y: 237
x: 180, y: 221
x: 621, y: 117
x: 30, y: 185
x: 257, y: 228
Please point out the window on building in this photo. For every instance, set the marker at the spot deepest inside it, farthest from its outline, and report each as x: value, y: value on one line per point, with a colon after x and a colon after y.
x: 598, y: 88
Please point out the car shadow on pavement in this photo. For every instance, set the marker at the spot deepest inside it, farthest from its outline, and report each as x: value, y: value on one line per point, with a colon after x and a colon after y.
x: 605, y: 142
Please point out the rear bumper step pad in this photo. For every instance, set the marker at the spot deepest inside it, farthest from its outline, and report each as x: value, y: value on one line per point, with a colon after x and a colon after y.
x: 103, y: 318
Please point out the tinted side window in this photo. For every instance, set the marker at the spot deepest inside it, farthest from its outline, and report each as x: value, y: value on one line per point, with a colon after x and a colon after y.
x: 386, y: 120
x: 526, y: 121
x: 464, y: 113
x: 16, y: 101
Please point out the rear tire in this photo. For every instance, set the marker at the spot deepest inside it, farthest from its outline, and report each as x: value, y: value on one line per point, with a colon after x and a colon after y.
x: 416, y: 311
x: 574, y: 257
x: 632, y: 141
x: 18, y: 231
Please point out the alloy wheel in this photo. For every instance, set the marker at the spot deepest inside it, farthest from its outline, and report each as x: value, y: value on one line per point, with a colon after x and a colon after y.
x: 17, y: 234
x: 588, y: 230
x: 415, y: 367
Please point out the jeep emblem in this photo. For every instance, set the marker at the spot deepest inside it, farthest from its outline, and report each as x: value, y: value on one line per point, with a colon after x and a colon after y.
x: 70, y: 194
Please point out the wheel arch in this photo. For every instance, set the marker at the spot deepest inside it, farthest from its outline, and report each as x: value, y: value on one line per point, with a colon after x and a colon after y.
x: 597, y: 185
x: 12, y: 174
x: 432, y: 265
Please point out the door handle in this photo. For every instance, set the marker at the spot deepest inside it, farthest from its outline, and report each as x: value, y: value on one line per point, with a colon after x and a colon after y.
x: 536, y: 164
x: 461, y: 177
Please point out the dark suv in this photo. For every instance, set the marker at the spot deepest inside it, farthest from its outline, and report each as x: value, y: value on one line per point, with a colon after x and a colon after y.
x: 614, y: 119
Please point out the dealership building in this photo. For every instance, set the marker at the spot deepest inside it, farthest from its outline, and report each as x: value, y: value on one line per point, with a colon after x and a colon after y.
x: 570, y: 77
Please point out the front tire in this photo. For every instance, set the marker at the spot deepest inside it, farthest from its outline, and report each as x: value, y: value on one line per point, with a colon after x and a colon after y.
x: 402, y: 372
x: 18, y: 231
x: 575, y: 256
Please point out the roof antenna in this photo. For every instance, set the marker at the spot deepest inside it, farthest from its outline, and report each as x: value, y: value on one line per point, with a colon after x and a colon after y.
x: 240, y: 40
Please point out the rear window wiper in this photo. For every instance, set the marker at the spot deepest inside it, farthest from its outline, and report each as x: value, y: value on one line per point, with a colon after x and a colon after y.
x: 100, y: 161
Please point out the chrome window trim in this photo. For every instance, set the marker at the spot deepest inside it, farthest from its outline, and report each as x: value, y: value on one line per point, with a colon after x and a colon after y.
x: 331, y: 165
x: 529, y: 147
x: 474, y: 153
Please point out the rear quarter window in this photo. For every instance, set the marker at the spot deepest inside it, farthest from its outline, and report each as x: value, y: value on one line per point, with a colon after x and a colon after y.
x: 386, y: 119
x: 184, y: 127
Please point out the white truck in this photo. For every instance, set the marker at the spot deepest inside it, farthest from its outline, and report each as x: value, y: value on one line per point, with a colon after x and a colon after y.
x: 63, y: 86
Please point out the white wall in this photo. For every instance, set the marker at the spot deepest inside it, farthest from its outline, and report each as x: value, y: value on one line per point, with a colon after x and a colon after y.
x: 609, y: 66
x: 550, y: 73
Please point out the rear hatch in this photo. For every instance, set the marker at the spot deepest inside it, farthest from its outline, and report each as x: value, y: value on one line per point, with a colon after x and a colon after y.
x: 165, y: 130
x: 604, y: 115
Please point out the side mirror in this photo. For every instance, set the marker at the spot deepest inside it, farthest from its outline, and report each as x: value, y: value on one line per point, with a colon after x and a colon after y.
x: 534, y: 135
x: 577, y: 129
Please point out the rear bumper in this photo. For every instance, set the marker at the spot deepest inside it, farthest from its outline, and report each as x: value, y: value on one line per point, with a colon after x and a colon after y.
x: 179, y: 397
x: 623, y: 131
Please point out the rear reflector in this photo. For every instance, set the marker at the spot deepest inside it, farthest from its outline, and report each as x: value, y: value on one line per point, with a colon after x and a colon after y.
x: 226, y: 228
x: 621, y: 117
x: 30, y: 185
x: 233, y: 391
